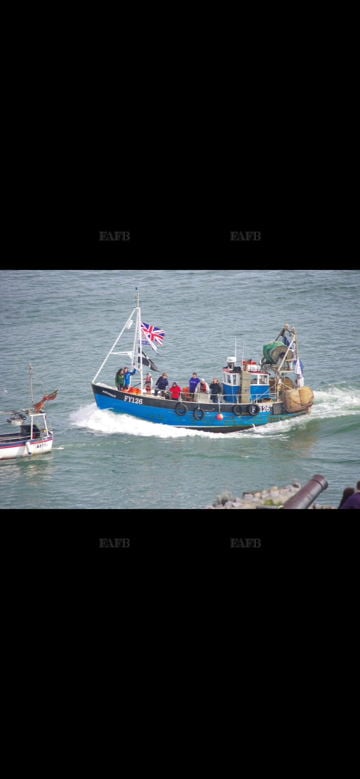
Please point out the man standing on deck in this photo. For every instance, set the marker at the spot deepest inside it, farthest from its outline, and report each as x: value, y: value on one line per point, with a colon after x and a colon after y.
x: 215, y: 389
x: 193, y: 382
x: 161, y: 384
x: 127, y: 377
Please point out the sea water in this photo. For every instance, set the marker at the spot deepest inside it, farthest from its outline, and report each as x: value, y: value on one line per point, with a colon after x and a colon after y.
x: 64, y: 322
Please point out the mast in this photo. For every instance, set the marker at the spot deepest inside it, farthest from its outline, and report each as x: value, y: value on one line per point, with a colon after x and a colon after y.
x: 32, y: 401
x: 137, y: 352
x: 126, y: 326
x: 31, y: 384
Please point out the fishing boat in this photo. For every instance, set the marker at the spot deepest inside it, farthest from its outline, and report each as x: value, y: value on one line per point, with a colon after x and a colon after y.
x: 30, y: 434
x: 251, y: 393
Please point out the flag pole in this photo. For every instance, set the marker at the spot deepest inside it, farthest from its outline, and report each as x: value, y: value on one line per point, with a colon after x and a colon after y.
x: 137, y: 352
x: 31, y: 384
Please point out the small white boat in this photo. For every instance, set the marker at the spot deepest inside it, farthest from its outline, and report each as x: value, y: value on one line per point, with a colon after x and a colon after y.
x: 31, y: 434
x: 34, y: 437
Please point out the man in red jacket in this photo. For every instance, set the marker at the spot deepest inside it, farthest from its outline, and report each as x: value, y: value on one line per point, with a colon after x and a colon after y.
x: 175, y: 391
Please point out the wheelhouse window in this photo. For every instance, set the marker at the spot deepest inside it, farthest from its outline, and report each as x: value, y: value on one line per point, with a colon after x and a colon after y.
x: 259, y: 378
x: 231, y: 378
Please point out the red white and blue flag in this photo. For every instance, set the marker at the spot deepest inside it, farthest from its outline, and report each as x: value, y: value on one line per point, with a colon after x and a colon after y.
x: 152, y: 335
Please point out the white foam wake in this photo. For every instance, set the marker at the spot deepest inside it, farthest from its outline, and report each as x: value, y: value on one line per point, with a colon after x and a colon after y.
x: 330, y: 403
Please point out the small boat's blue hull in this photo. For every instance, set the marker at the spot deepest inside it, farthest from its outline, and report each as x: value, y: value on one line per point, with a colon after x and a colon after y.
x: 191, y: 415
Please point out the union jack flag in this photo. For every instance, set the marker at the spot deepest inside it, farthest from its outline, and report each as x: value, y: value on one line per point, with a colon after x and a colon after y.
x: 153, y: 335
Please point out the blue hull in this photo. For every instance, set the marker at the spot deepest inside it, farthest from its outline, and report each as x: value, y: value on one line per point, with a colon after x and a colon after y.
x: 162, y: 411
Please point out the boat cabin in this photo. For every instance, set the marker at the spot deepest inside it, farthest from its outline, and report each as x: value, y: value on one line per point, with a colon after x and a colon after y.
x: 244, y: 383
x: 36, y: 429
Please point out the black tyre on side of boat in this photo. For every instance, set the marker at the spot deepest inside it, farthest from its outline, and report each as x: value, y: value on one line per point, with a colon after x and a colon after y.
x: 198, y: 413
x: 180, y: 409
x: 237, y: 410
x: 253, y: 409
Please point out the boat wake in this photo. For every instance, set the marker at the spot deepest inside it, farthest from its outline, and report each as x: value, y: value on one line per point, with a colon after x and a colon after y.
x: 108, y: 423
x: 328, y: 404
x: 336, y: 401
x: 332, y: 403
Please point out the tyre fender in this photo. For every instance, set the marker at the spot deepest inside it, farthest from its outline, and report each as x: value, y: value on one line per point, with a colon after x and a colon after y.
x: 181, y: 409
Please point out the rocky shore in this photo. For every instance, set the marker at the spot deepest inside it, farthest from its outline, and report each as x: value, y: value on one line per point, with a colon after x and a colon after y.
x: 272, y: 498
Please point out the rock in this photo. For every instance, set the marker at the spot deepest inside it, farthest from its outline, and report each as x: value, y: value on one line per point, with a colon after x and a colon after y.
x: 271, y: 498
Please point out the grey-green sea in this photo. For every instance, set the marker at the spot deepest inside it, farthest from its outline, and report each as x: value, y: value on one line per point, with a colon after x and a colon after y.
x: 63, y: 322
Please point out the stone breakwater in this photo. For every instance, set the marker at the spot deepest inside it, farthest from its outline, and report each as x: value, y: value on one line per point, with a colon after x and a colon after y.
x: 274, y: 497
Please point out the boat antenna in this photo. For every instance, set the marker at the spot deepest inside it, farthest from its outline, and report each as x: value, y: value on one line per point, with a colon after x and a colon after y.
x: 31, y: 384
x: 137, y: 297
